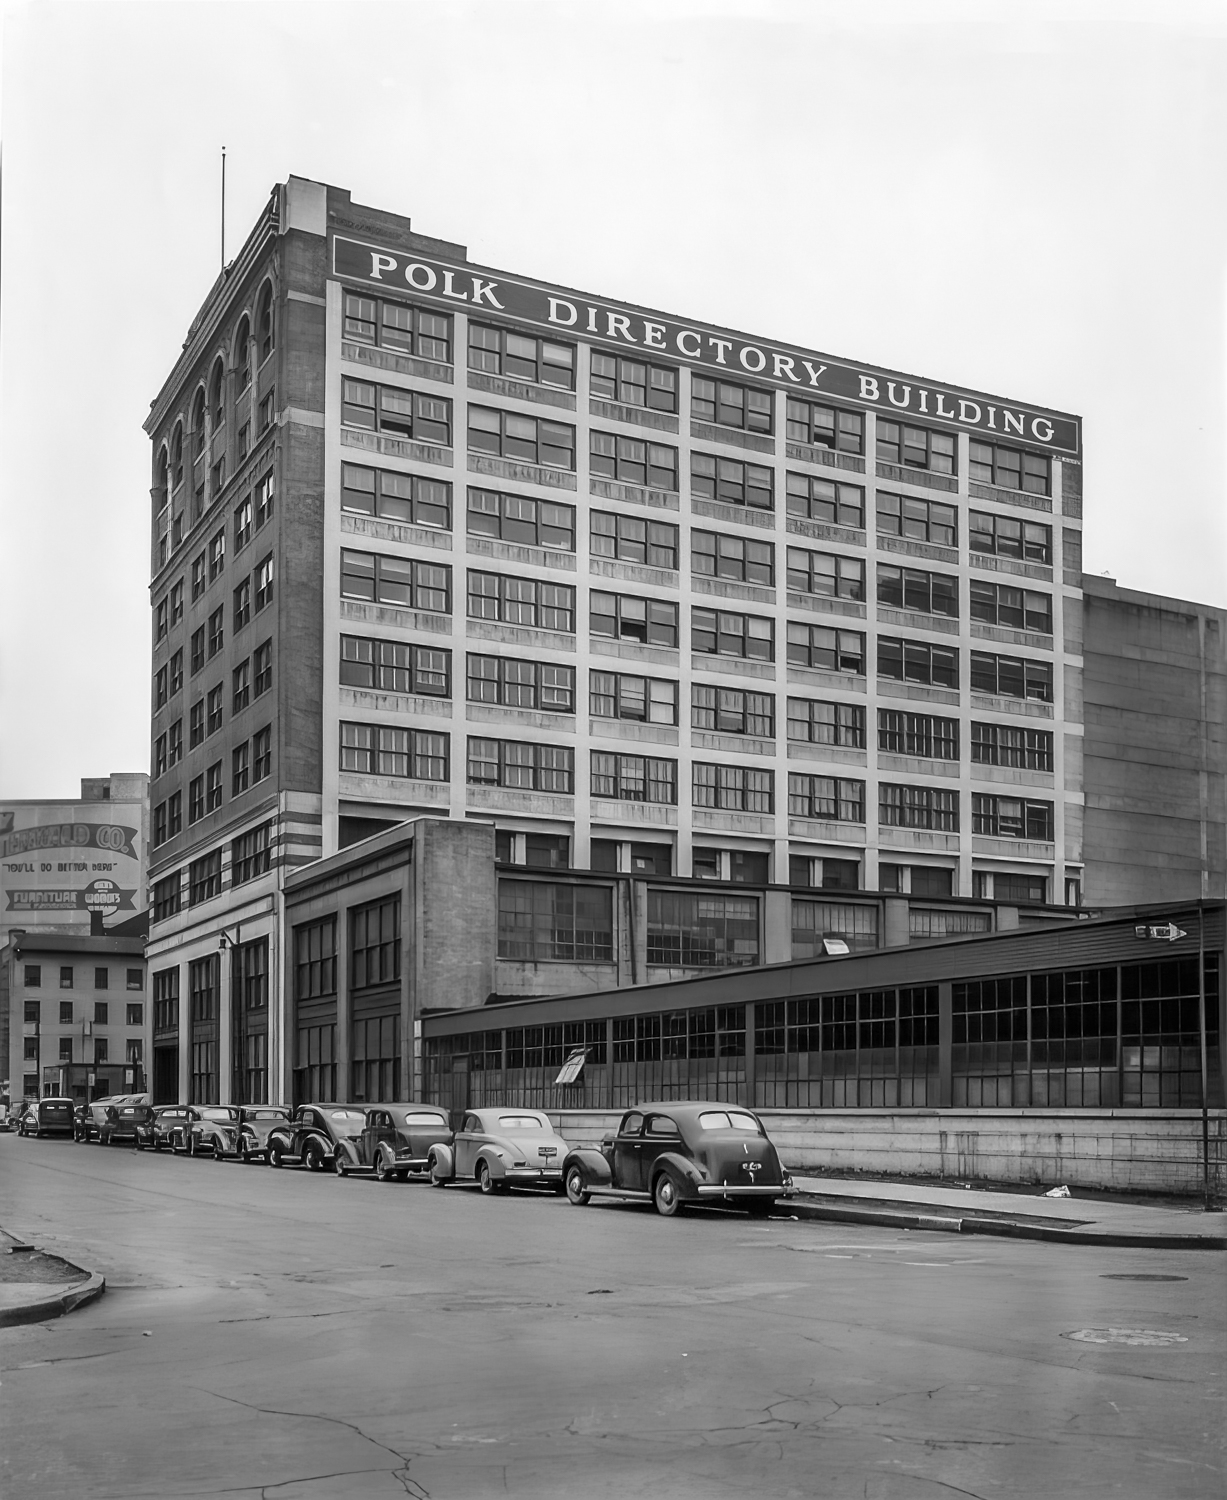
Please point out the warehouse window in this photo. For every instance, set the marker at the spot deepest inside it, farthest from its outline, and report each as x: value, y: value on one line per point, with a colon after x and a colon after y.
x: 832, y: 798
x: 521, y: 684
x: 632, y: 540
x: 392, y: 667
x: 825, y: 427
x: 718, y: 555
x: 855, y: 924
x: 732, y: 711
x: 991, y: 463
x: 719, y: 633
x: 633, y: 382
x: 633, y: 461
x: 928, y: 735
x: 916, y: 448
x: 732, y: 481
x: 396, y: 580
x: 1004, y: 745
x: 250, y: 854
x: 1011, y: 676
x: 733, y: 788
x: 704, y: 931
x: 1014, y: 608
x: 918, y: 661
x: 205, y: 878
x: 395, y: 412
x: 315, y: 959
x: 825, y: 574
x: 517, y: 518
x: 380, y: 750
x: 374, y: 944
x: 819, y: 723
x: 521, y: 356
x: 918, y: 807
x: 1011, y: 817
x: 531, y: 440
x: 397, y: 326
x: 634, y: 778
x: 625, y: 617
x: 826, y: 648
x: 521, y: 601
x: 913, y: 588
x: 917, y: 520
x: 1003, y: 536
x: 541, y: 923
x: 816, y: 499
x: 731, y: 405
x: 524, y: 767
x: 396, y: 497
x: 613, y: 695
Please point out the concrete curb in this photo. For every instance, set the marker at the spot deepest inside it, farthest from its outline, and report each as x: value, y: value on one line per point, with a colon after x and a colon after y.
x: 887, y: 1218
x: 64, y: 1300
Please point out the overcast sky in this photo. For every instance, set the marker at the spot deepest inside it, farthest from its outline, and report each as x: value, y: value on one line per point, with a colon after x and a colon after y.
x: 1027, y: 199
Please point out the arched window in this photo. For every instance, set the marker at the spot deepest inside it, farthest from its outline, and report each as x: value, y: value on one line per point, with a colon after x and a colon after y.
x: 176, y: 455
x: 217, y: 386
x: 264, y: 323
x: 161, y: 485
x: 242, y: 355
x: 198, y: 423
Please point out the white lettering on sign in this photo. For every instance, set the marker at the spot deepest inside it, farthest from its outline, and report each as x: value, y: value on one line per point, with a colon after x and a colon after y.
x: 420, y: 276
x: 783, y: 370
x: 1041, y: 428
x: 449, y: 290
x: 380, y: 264
x: 720, y: 346
x: 556, y: 306
x: 869, y: 388
x: 620, y: 327
x: 749, y: 355
x: 654, y: 335
x: 689, y: 333
x: 813, y: 374
x: 483, y: 291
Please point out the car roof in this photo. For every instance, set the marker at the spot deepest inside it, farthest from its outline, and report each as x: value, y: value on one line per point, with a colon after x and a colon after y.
x: 687, y: 1109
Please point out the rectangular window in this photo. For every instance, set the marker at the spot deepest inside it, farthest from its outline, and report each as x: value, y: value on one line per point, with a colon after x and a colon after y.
x: 718, y: 555
x: 396, y: 413
x: 542, y: 923
x: 204, y: 878
x: 217, y: 556
x: 532, y: 440
x: 518, y: 518
x: 66, y: 1009
x: 918, y: 734
x: 262, y: 667
x: 135, y: 1014
x: 161, y: 620
x: 820, y: 723
x: 398, y: 326
x: 242, y: 523
x: 916, y: 448
x: 101, y: 1013
x: 241, y: 690
x: 918, y: 807
x: 827, y: 797
x: 66, y: 976
x: 632, y: 460
x: 624, y: 617
x: 197, y: 645
x: 524, y: 767
x: 1014, y: 608
x: 702, y: 931
x: 815, y: 499
x: 1011, y: 676
x: 1011, y: 817
x: 918, y: 661
x: 217, y: 631
x: 159, y: 756
x: 732, y: 711
x: 196, y: 724
x: 161, y: 688
x: 262, y: 753
x: 1003, y: 536
x: 384, y: 751
x: 521, y: 601
x: 265, y: 495
x: 917, y: 520
x: 732, y: 405
x: 198, y: 576
x: 521, y: 356
x: 263, y: 583
x: 265, y: 412
x: 1005, y: 745
x: 991, y: 463
x: 632, y: 540
x: 1021, y: 888
x: 240, y: 769
x: 733, y: 788
x: 521, y: 684
x: 634, y: 778
x: 195, y: 799
x: 826, y: 648
x: 390, y: 667
x: 633, y: 382
x: 825, y: 427
x: 718, y: 633
x: 213, y: 703
x: 374, y: 944
x: 826, y: 574
x: 176, y: 602
x: 913, y: 588
x: 174, y: 815
x: 135, y: 980
x: 396, y: 497
x: 398, y: 581
x: 213, y: 787
x: 167, y: 897
x: 250, y: 854
x: 732, y: 481
x: 647, y: 700
x: 315, y: 959
x: 166, y: 1000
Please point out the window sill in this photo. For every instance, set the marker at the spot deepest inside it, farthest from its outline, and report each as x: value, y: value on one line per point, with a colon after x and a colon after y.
x: 605, y: 810
x: 826, y: 531
x: 733, y: 515
x: 903, y: 475
x: 368, y: 613
x: 986, y: 844
x: 732, y: 666
x: 827, y: 832
x: 835, y: 754
x: 732, y: 744
x: 659, y: 656
x: 1028, y: 708
x: 998, y: 776
x: 728, y: 820
x: 633, y: 730
x: 393, y: 447
x: 917, y: 691
x: 517, y: 552
x: 504, y: 468
x: 633, y: 494
x: 712, y: 432
x: 377, y: 529
x: 371, y: 700
x: 917, y: 838
x: 819, y: 604
x: 521, y: 390
x: 915, y: 619
x: 1008, y: 497
x: 808, y: 454
x: 917, y: 765
x: 1030, y: 638
x: 398, y: 364
x: 526, y: 718
x: 918, y: 549
x: 604, y: 567
x: 722, y: 589
x: 993, y: 564
x: 848, y: 682
x: 392, y: 789
x: 529, y: 804
x: 639, y: 416
x: 519, y: 635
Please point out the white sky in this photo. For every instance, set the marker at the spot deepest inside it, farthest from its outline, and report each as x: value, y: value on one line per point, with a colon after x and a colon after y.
x: 1027, y: 199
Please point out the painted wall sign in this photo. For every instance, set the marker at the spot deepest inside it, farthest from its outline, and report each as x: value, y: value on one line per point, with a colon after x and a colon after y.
x: 61, y: 862
x: 479, y: 290
x: 102, y: 896
x: 109, y: 836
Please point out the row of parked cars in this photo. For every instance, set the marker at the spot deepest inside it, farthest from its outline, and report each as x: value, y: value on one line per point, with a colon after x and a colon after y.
x: 669, y: 1153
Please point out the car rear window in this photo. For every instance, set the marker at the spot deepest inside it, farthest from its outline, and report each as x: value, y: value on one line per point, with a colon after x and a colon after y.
x: 266, y: 1114
x: 731, y: 1119
x: 348, y: 1121
x: 57, y: 1109
x: 662, y: 1125
x: 423, y: 1119
x: 521, y: 1122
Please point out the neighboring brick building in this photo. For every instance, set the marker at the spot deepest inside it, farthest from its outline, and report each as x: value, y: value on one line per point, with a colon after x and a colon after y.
x: 657, y: 601
x: 1156, y: 746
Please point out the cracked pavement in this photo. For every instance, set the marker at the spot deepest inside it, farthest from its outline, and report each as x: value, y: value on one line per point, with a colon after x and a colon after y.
x: 293, y: 1337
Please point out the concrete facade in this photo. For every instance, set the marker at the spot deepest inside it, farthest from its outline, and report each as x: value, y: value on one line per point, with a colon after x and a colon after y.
x: 1155, y: 746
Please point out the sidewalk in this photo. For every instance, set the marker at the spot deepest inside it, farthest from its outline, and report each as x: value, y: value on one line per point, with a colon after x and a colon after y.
x: 957, y: 1210
x: 35, y: 1286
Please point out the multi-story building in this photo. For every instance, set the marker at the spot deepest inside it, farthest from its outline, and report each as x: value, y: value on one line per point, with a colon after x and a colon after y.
x: 654, y: 598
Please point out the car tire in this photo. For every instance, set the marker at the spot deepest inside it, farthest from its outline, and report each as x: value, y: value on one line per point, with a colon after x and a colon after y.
x: 382, y: 1173
x: 245, y: 1154
x: 484, y: 1179
x: 218, y: 1154
x: 274, y: 1154
x: 340, y: 1164
x: 313, y: 1158
x: 666, y: 1196
x: 576, y: 1190
x: 401, y: 1176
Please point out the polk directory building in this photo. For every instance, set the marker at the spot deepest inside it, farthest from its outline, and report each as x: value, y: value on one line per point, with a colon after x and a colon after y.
x: 777, y: 648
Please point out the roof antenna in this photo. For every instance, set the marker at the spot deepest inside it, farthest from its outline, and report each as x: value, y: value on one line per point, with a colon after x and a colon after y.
x: 223, y: 208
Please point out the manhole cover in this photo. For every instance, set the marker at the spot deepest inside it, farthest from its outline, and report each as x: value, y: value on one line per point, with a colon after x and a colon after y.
x: 1137, y: 1276
x: 1147, y: 1338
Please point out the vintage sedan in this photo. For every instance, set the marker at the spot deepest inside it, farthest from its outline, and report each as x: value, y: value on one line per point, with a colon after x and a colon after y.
x: 256, y: 1124
x: 397, y: 1140
x: 680, y: 1152
x: 213, y: 1131
x: 311, y: 1134
x: 123, y: 1124
x: 160, y: 1129
x: 48, y: 1117
x: 90, y: 1118
x: 500, y: 1149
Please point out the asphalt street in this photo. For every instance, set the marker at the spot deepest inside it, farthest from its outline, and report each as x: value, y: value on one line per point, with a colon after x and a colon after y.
x: 293, y: 1337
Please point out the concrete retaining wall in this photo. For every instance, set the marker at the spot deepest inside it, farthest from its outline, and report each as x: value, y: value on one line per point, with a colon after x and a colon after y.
x: 1124, y: 1150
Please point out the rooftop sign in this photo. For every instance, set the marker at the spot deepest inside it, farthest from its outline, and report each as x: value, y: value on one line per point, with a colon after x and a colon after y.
x: 651, y: 334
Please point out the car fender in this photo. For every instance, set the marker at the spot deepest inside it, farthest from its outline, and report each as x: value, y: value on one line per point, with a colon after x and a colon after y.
x: 346, y: 1149
x: 492, y: 1156
x: 681, y: 1168
x: 596, y: 1169
x: 444, y: 1162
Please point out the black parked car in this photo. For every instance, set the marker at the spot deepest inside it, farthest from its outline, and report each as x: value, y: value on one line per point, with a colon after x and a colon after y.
x: 256, y: 1123
x: 48, y: 1117
x: 395, y: 1141
x: 678, y: 1152
x: 123, y: 1124
x: 311, y: 1134
x: 160, y: 1130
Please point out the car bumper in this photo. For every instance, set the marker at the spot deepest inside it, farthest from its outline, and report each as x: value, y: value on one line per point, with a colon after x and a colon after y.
x: 748, y: 1190
x: 532, y: 1174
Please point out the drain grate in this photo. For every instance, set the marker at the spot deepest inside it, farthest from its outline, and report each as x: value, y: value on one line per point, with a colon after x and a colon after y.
x: 1138, y: 1276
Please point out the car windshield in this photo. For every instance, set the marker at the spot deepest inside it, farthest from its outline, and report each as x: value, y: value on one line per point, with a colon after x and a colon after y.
x: 522, y: 1122
x: 221, y: 1112
x: 348, y: 1121
x: 419, y: 1118
x: 731, y: 1119
x: 265, y: 1114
